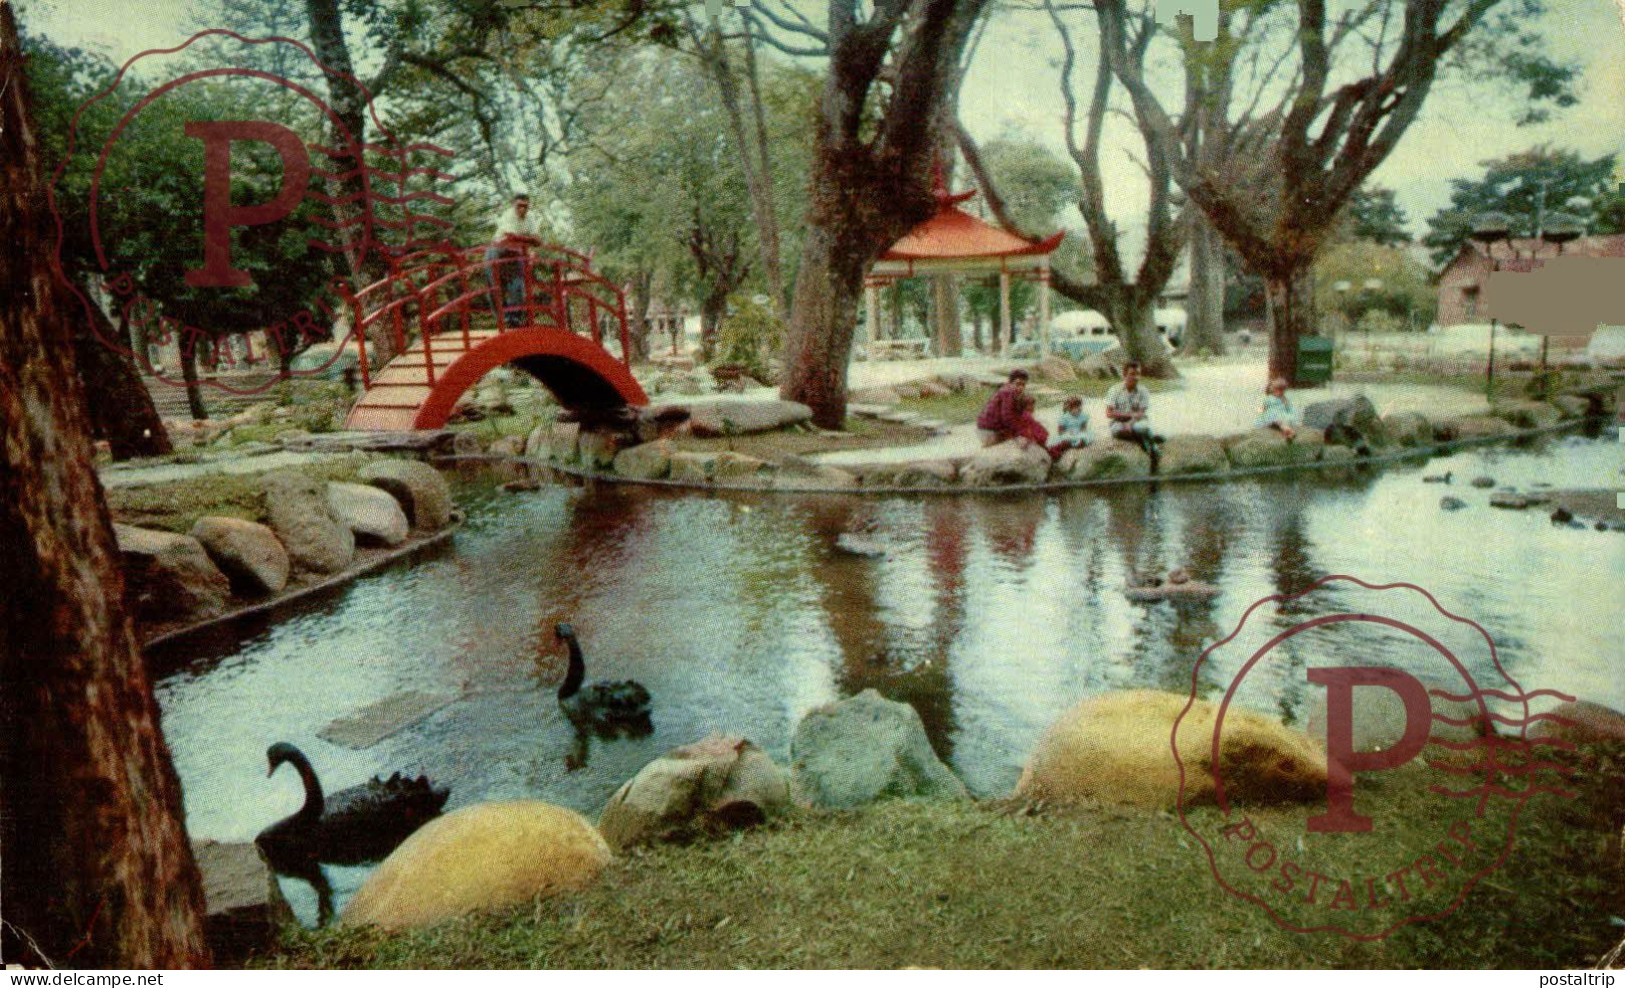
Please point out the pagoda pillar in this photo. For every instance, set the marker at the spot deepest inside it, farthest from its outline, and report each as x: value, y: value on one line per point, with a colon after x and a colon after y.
x: 871, y: 311
x: 1043, y: 310
x: 1004, y: 311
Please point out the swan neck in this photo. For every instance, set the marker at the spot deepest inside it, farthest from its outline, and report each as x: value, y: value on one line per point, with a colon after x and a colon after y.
x: 576, y: 673
x: 314, y: 803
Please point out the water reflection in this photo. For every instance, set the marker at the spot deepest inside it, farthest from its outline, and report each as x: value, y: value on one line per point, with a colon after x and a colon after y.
x: 990, y: 615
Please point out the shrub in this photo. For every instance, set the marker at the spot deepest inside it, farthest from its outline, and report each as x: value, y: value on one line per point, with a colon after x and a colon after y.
x: 751, y: 336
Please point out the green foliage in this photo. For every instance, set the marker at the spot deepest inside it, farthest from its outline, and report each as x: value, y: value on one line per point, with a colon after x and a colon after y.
x: 1373, y: 214
x: 149, y: 194
x: 1405, y: 295
x: 750, y: 336
x: 1512, y: 185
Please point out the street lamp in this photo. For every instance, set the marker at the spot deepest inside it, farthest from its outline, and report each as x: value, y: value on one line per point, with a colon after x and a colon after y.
x: 1487, y: 229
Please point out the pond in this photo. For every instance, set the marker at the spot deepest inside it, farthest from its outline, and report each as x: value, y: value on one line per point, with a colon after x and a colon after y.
x: 990, y: 615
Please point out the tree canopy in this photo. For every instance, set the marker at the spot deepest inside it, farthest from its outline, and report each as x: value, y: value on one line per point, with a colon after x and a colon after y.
x: 1524, y: 184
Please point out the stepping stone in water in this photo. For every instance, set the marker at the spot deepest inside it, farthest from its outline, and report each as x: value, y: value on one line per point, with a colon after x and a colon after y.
x: 1483, y: 481
x: 375, y: 722
x: 1452, y: 503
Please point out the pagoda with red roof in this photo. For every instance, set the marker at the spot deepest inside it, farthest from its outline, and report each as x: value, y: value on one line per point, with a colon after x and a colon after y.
x: 953, y: 241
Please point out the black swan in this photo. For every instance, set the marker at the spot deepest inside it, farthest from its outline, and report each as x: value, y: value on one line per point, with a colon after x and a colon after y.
x: 353, y: 826
x: 601, y: 706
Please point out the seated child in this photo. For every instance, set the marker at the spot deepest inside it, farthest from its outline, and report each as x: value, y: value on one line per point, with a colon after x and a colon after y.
x: 1027, y: 428
x: 1277, y: 412
x: 1074, y: 428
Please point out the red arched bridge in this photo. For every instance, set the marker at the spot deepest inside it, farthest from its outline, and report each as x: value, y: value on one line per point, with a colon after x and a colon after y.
x: 450, y: 324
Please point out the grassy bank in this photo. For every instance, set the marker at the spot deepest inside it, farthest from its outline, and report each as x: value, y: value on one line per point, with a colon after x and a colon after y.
x: 998, y: 885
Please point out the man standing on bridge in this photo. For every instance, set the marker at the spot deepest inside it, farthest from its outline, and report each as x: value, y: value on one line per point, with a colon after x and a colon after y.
x: 515, y: 232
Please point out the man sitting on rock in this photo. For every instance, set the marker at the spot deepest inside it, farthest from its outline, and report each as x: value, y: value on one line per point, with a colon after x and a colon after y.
x: 1127, y: 407
x: 1002, y: 418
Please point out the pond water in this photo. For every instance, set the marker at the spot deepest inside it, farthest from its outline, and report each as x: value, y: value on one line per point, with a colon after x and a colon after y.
x: 991, y: 615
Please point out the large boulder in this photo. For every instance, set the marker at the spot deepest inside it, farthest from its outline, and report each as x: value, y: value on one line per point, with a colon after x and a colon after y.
x: 1192, y: 454
x: 169, y: 577
x: 316, y: 538
x: 1354, y: 412
x: 1055, y: 369
x: 741, y: 417
x: 919, y: 473
x: 693, y: 468
x: 1472, y: 427
x: 733, y: 467
x: 645, y: 461
x: 1408, y: 428
x: 1269, y: 448
x: 712, y: 785
x: 1099, y: 366
x: 1116, y: 748
x: 536, y: 443
x: 865, y: 748
x: 1529, y: 414
x: 563, y: 443
x: 1103, y: 459
x: 247, y: 552
x: 1582, y: 722
x: 244, y: 910
x: 422, y: 492
x: 1572, y: 406
x: 482, y: 858
x: 596, y: 449
x: 1379, y: 720
x: 371, y: 513
x: 1006, y: 463
x: 507, y: 446
x: 874, y: 396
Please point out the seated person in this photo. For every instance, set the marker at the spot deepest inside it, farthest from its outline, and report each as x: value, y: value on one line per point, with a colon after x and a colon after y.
x: 1028, y: 429
x: 1127, y: 407
x: 1278, y: 412
x: 1074, y: 428
x: 1000, y: 419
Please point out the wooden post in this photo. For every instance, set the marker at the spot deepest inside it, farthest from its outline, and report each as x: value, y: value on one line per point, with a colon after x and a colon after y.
x: 1004, y: 311
x: 1043, y: 309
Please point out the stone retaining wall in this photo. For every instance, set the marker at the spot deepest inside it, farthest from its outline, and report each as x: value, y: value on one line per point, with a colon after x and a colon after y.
x: 318, y: 534
x: 1007, y: 465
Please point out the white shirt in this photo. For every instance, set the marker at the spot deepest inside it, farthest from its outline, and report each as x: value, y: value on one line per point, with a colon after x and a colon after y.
x: 511, y: 223
x: 1121, y: 399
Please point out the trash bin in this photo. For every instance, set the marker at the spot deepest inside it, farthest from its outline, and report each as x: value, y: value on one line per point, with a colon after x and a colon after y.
x: 1314, y: 360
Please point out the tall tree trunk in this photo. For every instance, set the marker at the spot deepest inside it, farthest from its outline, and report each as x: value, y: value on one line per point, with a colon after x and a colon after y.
x: 752, y: 160
x: 1134, y: 318
x: 1290, y: 296
x: 194, y: 394
x: 98, y: 870
x: 349, y: 190
x: 642, y: 289
x: 1204, y: 308
x: 820, y: 338
x: 976, y: 331
x: 119, y: 406
x: 711, y: 309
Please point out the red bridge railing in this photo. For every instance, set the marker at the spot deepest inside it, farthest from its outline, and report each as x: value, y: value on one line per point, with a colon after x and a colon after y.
x: 457, y: 290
